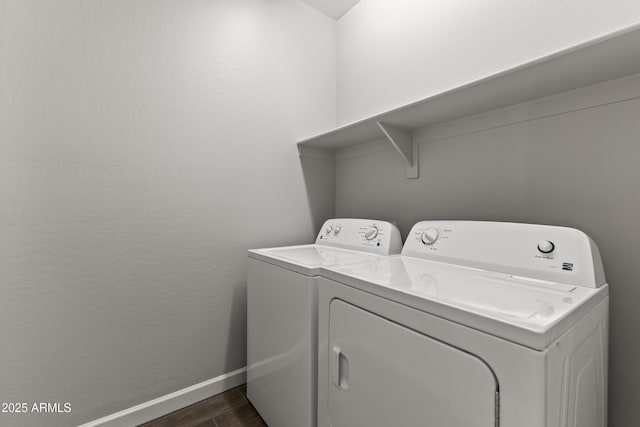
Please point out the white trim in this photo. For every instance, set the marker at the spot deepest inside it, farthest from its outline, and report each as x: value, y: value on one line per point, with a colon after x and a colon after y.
x: 166, y: 404
x: 306, y: 151
x: 601, y: 94
x: 363, y: 149
x: 624, y: 89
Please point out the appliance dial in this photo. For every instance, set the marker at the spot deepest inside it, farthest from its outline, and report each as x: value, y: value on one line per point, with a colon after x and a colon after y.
x: 430, y: 235
x: 546, y: 247
x: 371, y: 233
x: 328, y: 229
x: 337, y: 230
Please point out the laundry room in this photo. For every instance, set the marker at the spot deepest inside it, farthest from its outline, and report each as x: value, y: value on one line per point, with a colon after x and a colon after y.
x: 319, y: 213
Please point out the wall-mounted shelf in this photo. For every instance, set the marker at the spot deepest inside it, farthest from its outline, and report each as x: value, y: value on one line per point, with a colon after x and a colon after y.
x: 607, y: 58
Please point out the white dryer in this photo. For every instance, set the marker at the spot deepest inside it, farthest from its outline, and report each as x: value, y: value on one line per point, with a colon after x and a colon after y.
x: 282, y: 314
x: 477, y: 324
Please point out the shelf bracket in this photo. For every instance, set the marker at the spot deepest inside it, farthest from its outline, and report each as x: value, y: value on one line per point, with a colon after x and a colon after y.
x: 402, y: 141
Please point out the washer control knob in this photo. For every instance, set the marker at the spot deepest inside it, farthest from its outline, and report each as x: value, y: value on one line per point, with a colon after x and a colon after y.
x: 328, y: 228
x: 371, y: 233
x: 546, y: 247
x: 337, y: 229
x: 430, y: 236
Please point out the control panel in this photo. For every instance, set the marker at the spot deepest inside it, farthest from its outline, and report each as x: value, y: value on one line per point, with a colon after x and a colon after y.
x: 557, y: 254
x: 379, y: 237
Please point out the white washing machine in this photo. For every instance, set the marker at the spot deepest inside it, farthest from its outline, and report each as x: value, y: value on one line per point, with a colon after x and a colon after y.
x: 282, y: 314
x: 477, y: 324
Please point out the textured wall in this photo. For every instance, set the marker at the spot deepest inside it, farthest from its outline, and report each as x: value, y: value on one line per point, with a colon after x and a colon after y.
x: 144, y: 146
x: 394, y: 52
x: 577, y: 169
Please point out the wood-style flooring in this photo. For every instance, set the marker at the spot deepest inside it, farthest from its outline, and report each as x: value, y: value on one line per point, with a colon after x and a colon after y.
x: 228, y: 409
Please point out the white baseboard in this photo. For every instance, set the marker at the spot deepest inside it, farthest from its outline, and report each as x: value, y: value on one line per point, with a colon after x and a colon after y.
x: 155, y: 408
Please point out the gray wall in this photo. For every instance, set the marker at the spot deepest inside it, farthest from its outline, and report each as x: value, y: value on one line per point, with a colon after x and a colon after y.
x: 391, y: 53
x: 537, y: 163
x: 578, y: 169
x: 145, y: 145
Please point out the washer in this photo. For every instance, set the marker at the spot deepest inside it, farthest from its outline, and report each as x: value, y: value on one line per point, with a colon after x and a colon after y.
x: 282, y: 314
x: 476, y: 324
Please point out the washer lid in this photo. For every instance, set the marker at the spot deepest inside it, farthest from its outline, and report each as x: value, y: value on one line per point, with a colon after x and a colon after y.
x: 556, y: 254
x: 307, y: 259
x: 527, y: 311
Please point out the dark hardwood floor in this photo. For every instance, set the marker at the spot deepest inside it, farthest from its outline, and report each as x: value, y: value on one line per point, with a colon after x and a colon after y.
x: 228, y: 409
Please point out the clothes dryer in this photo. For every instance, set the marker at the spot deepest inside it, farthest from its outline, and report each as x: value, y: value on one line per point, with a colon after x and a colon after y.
x: 477, y: 324
x: 282, y: 314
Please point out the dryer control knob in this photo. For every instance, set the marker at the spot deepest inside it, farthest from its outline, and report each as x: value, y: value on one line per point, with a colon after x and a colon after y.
x: 371, y: 233
x: 328, y: 229
x: 337, y: 230
x: 430, y: 236
x: 546, y: 247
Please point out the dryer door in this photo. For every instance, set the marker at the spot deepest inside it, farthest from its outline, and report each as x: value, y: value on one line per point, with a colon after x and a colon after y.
x: 384, y: 374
